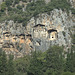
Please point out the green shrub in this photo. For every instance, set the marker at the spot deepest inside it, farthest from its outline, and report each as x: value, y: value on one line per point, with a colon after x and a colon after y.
x: 19, y: 7
x: 3, y: 7
x: 16, y: 1
x: 34, y: 8
x: 8, y: 2
x: 68, y: 73
x: 24, y: 0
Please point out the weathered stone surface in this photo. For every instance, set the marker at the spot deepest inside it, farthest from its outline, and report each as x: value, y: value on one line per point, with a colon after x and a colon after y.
x: 41, y: 32
x: 58, y: 20
x: 72, y: 3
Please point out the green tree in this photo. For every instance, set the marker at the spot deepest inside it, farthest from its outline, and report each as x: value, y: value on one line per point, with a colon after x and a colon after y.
x: 54, y: 61
x: 68, y: 73
x: 35, y: 67
x: 3, y: 63
x: 0, y: 61
x: 11, y: 69
x: 22, y: 65
x: 70, y: 61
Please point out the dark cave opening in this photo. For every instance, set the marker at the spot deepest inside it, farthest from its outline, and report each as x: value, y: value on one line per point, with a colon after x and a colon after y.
x: 52, y: 33
x: 52, y: 30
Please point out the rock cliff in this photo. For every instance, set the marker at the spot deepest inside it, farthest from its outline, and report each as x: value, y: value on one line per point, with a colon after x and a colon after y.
x: 41, y: 32
x: 55, y: 30
x: 72, y: 3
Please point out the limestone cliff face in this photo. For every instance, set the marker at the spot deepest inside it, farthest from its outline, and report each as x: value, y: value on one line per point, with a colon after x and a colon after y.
x: 41, y: 32
x: 51, y: 29
x: 72, y: 3
x: 12, y: 38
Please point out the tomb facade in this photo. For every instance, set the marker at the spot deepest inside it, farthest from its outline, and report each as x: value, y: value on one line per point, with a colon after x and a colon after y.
x: 39, y: 31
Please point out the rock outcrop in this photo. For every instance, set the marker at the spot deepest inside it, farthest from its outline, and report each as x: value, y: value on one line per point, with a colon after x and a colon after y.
x: 53, y: 29
x: 41, y: 32
x: 72, y: 3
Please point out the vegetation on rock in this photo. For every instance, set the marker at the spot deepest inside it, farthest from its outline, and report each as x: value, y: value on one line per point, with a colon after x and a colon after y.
x: 51, y: 62
x: 54, y: 61
x: 32, y: 9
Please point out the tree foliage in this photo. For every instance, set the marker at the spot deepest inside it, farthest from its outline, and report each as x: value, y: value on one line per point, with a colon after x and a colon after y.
x: 3, y: 7
x: 50, y: 62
